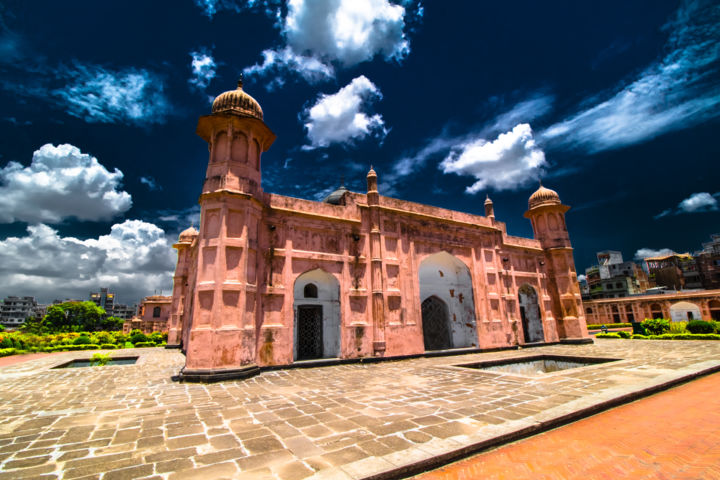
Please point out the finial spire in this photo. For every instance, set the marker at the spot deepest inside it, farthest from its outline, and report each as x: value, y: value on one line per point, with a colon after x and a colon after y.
x: 240, y: 81
x: 342, y: 180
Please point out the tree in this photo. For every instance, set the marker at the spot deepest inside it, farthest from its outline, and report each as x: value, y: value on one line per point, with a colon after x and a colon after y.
x: 74, y: 317
x: 112, y: 324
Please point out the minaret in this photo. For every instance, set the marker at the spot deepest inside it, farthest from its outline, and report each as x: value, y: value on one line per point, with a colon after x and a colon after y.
x: 489, y: 209
x: 547, y: 215
x: 222, y: 338
x: 180, y: 286
x: 376, y: 275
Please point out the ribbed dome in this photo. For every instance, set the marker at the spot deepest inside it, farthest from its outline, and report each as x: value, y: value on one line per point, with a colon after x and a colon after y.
x: 237, y: 102
x: 335, y: 197
x: 188, y: 235
x: 543, y: 196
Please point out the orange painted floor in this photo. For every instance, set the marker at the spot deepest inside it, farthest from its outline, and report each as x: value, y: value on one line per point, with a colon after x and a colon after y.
x: 671, y: 435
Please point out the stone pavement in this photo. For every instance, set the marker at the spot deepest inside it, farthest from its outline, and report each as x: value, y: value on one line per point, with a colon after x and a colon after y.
x: 341, y: 422
x: 674, y: 434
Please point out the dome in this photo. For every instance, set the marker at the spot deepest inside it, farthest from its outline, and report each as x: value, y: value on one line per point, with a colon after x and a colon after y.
x: 543, y: 196
x: 335, y: 197
x: 188, y: 235
x: 237, y: 102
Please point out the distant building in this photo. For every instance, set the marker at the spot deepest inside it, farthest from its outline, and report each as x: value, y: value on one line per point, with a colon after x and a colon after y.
x: 126, y: 312
x: 614, y: 278
x: 104, y: 299
x: 708, y: 262
x: 677, y: 306
x: 15, y: 310
x: 153, y: 315
x: 677, y: 271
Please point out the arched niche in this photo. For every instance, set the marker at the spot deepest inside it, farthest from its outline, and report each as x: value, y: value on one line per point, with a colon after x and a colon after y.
x: 656, y: 310
x: 239, y: 151
x: 446, y: 278
x: 530, y: 314
x: 317, y: 318
x: 714, y: 306
x: 684, y: 311
x: 220, y: 147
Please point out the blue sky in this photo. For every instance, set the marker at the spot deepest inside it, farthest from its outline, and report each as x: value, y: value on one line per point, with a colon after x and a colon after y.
x: 613, y: 104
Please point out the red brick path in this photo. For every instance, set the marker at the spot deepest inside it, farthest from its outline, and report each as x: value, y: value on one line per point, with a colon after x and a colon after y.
x: 670, y: 435
x: 13, y: 359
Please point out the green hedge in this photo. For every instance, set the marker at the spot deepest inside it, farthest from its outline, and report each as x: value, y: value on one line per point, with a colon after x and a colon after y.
x: 6, y: 352
x: 597, y: 326
x: 144, y: 344
x: 108, y: 346
x: 678, y: 336
x: 608, y: 335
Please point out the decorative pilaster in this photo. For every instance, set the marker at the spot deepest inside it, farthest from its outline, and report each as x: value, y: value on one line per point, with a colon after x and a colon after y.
x: 376, y: 275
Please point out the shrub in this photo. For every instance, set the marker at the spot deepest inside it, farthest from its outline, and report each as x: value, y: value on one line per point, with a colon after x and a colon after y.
x: 6, y: 342
x: 637, y: 336
x: 700, y: 326
x: 698, y: 336
x: 678, y: 327
x: 144, y: 344
x: 108, y: 346
x: 624, y: 334
x: 608, y: 335
x: 138, y: 338
x: 82, y: 340
x: 596, y: 326
x: 99, y: 359
x: 2, y: 328
x: 6, y: 352
x: 129, y: 345
x: 656, y: 326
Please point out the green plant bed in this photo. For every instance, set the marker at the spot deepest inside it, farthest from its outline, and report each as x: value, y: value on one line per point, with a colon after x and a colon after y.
x: 144, y: 344
x: 608, y: 335
x: 678, y: 336
x: 597, y: 326
x: 108, y: 346
x: 6, y: 352
x: 701, y: 326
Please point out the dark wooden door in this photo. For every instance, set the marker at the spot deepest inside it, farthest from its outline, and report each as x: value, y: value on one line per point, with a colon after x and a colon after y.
x: 435, y: 321
x: 310, y: 332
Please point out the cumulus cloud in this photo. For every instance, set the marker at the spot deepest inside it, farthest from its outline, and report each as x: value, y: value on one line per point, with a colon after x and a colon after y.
x: 203, y: 68
x: 134, y: 260
x: 511, y: 160
x: 339, y: 117
x: 61, y: 182
x: 318, y: 33
x: 697, y: 202
x: 644, y: 253
x: 99, y: 95
x: 678, y: 92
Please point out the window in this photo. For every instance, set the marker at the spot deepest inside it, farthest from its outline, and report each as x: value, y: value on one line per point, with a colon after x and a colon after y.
x: 156, y: 312
x: 310, y: 291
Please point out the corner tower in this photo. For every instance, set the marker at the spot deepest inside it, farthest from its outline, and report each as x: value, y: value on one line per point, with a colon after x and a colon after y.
x: 224, y: 316
x: 547, y: 215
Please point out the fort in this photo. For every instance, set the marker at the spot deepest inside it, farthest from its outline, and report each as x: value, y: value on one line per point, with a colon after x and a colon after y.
x: 273, y: 280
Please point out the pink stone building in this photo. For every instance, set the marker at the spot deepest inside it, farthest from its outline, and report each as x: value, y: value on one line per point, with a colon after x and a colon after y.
x: 273, y: 280
x: 153, y: 315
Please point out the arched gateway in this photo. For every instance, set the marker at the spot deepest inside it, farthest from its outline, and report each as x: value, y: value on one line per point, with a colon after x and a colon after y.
x: 530, y: 314
x: 317, y: 316
x: 448, y: 309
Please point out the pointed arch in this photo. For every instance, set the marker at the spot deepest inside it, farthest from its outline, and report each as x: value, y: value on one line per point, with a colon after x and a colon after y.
x: 317, y: 318
x: 447, y: 278
x: 530, y: 314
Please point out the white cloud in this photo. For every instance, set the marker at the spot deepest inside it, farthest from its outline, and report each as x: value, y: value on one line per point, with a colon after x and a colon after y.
x: 678, y: 92
x: 61, y: 182
x: 98, y: 95
x: 277, y: 62
x: 134, y: 260
x: 644, y: 253
x: 581, y: 278
x: 203, y: 68
x: 318, y: 33
x: 150, y: 183
x: 511, y: 160
x: 697, y: 202
x: 338, y: 117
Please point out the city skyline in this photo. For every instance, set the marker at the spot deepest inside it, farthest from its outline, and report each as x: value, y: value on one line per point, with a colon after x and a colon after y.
x: 614, y: 108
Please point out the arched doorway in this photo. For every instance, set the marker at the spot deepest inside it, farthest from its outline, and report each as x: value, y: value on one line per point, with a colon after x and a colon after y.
x: 684, y: 311
x: 714, y: 306
x: 530, y: 314
x: 656, y: 310
x: 448, y: 308
x: 317, y: 316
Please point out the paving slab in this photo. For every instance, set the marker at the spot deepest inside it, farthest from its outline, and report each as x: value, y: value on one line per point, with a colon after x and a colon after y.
x: 349, y: 421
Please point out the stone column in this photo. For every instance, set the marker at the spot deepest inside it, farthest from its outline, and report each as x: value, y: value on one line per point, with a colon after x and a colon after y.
x: 376, y: 274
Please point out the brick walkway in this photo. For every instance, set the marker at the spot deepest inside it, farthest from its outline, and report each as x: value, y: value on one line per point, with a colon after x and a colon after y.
x: 673, y: 434
x: 343, y: 422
